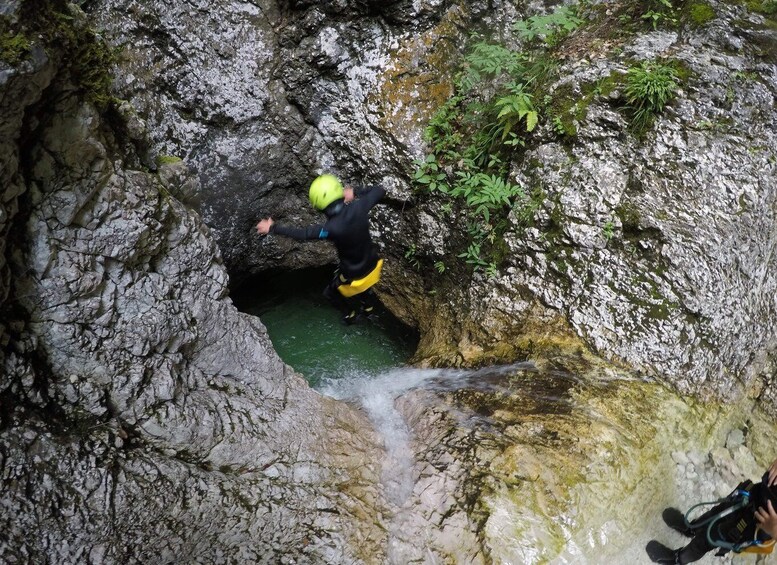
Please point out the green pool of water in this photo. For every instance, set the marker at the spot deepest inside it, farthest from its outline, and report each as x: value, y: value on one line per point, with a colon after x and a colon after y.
x: 308, y: 334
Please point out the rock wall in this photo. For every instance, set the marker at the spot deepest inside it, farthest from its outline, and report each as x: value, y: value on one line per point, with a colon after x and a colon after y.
x: 148, y: 420
x: 659, y: 250
x: 144, y: 418
x: 654, y: 252
x: 261, y: 97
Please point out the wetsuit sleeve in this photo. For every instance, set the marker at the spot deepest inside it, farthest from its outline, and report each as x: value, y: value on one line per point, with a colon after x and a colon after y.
x: 371, y: 194
x: 315, y: 231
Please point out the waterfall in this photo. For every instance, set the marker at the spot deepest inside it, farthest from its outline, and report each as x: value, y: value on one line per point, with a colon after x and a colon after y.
x: 376, y: 394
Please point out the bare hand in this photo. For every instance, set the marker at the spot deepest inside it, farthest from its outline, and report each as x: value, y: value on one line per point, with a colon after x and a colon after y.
x: 348, y: 193
x: 772, y: 474
x: 263, y: 227
x: 767, y: 519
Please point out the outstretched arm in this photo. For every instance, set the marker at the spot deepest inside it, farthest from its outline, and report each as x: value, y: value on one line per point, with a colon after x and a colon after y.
x: 268, y: 225
x: 371, y: 194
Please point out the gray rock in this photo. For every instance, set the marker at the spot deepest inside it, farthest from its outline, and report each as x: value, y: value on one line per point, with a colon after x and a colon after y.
x: 142, y: 405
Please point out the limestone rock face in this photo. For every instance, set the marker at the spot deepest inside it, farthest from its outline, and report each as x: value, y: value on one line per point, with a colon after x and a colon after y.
x: 150, y: 421
x: 526, y: 465
x: 658, y: 250
x: 259, y: 98
x: 652, y: 251
x: 146, y: 419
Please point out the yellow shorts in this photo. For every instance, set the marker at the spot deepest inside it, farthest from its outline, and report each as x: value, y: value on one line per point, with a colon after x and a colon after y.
x: 360, y: 285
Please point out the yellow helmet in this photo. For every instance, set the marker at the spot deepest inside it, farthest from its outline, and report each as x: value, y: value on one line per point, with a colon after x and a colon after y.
x: 325, y: 190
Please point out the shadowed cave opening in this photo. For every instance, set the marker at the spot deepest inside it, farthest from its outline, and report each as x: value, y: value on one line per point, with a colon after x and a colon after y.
x: 308, y: 333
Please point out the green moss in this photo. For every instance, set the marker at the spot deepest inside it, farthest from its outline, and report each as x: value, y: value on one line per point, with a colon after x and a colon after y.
x: 84, y: 55
x: 565, y: 110
x: 499, y: 250
x: 701, y: 14
x: 629, y: 215
x: 14, y: 47
x: 167, y: 160
x: 568, y: 109
x: 765, y: 7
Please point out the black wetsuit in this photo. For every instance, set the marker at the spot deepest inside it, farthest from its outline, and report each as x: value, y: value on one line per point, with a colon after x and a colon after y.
x: 348, y: 227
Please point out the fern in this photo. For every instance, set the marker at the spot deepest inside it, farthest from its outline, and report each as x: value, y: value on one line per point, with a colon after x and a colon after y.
x: 474, y: 135
x: 551, y: 26
x: 489, y: 59
x: 513, y: 108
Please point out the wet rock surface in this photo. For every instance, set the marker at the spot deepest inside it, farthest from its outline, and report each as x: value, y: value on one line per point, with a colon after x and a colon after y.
x: 530, y: 465
x: 145, y: 419
x: 149, y: 420
x: 653, y: 251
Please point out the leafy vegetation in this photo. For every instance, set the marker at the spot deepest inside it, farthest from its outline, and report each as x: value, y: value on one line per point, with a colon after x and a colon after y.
x: 766, y: 7
x: 411, y: 257
x: 551, y: 27
x: 474, y: 136
x: 501, y: 97
x: 649, y: 86
x: 659, y: 13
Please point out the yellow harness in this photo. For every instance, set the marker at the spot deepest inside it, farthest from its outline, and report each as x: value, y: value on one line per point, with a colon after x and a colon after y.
x: 358, y: 286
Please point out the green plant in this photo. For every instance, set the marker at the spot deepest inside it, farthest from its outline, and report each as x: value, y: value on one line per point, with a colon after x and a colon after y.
x: 515, y: 107
x: 766, y: 7
x: 608, y: 230
x: 701, y: 14
x: 485, y: 193
x: 662, y: 12
x: 410, y: 255
x: 442, y: 131
x: 649, y: 87
x: 440, y: 266
x: 474, y: 136
x: 558, y: 126
x: 428, y: 174
x: 551, y: 27
x: 472, y: 256
x: 491, y: 270
x: 14, y: 47
x: 485, y: 60
x: 526, y: 212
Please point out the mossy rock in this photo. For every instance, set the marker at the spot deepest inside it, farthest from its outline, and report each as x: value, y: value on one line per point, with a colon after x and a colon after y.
x: 701, y: 14
x: 64, y: 31
x: 765, y: 7
x: 14, y: 47
x: 162, y: 160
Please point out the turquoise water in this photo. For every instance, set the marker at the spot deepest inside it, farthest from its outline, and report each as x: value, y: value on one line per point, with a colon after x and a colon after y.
x: 308, y: 334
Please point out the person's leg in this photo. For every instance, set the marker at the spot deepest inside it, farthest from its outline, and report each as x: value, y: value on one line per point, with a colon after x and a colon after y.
x: 334, y: 296
x: 695, y: 550
x: 368, y: 300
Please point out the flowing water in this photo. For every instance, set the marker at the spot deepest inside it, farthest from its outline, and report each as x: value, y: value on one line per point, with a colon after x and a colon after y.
x: 597, y: 456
